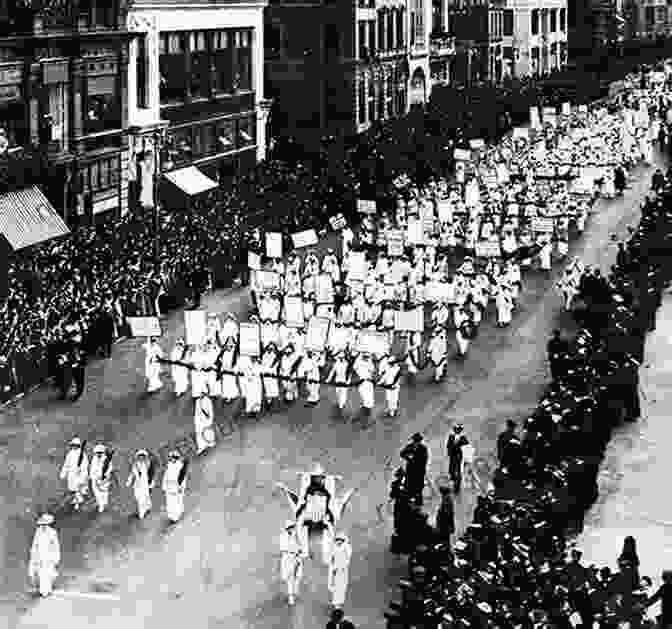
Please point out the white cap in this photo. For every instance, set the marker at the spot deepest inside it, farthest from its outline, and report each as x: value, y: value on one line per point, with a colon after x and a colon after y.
x: 142, y: 453
x: 75, y: 441
x: 46, y: 519
x: 99, y: 449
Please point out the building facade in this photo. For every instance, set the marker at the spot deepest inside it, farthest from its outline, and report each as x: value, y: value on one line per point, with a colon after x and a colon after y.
x: 195, y: 88
x: 63, y: 96
x: 647, y: 19
x: 592, y: 25
x: 359, y: 61
x: 535, y: 37
x: 441, y: 45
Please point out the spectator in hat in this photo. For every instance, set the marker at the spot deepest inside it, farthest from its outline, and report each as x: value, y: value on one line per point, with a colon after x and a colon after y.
x: 456, y: 441
x: 45, y: 555
x: 445, y: 516
x: 416, y: 456
x: 504, y: 438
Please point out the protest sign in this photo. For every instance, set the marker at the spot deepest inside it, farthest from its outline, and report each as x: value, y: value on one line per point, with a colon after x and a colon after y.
x: 548, y: 111
x: 144, y: 326
x: 357, y: 266
x: 253, y: 261
x: 488, y: 249
x: 566, y: 109
x: 306, y: 238
x: 294, y: 312
x: 395, y: 242
x: 366, y: 206
x: 477, y: 144
x: 462, y: 155
x: 250, y: 339
x: 317, y: 333
x: 373, y: 342
x: 340, y: 338
x: 521, y: 133
x: 409, y: 320
x: 194, y: 327
x: 274, y: 245
x: 397, y: 271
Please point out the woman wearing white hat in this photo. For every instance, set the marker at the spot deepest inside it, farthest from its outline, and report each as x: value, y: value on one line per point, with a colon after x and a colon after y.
x: 291, y: 560
x: 141, y: 479
x: 204, y: 417
x: 340, y: 377
x: 75, y: 471
x: 363, y: 368
x: 179, y: 373
x: 173, y: 485
x: 45, y: 555
x: 153, y: 354
x: 100, y: 473
x: 339, y: 569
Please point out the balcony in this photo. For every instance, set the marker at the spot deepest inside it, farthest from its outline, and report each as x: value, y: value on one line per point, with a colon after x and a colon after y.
x: 441, y: 45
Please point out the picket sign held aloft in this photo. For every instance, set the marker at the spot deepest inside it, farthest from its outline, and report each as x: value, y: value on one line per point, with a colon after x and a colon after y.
x: 195, y: 327
x: 274, y: 244
x: 306, y: 238
x: 338, y: 222
x: 462, y: 155
x: 144, y: 326
x: 250, y: 339
x: 253, y: 261
x: 409, y: 320
x: 365, y: 206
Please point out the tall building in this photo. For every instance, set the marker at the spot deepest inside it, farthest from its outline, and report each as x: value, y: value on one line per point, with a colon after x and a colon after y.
x: 649, y: 19
x: 63, y: 97
x: 336, y: 66
x: 535, y: 36
x: 195, y: 89
x: 441, y: 44
x: 592, y: 24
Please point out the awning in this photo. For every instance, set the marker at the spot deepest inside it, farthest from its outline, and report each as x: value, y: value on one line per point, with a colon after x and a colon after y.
x: 191, y: 180
x: 27, y: 218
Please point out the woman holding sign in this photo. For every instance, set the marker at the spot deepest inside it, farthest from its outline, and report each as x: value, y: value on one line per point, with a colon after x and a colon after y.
x: 339, y: 376
x: 153, y: 354
x: 269, y: 366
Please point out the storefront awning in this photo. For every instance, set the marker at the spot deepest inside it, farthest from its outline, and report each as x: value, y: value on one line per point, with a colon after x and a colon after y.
x: 27, y: 218
x: 191, y: 180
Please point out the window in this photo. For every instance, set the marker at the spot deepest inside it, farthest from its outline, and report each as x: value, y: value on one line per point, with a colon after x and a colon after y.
x: 221, y: 50
x: 100, y: 175
x: 362, y: 40
x: 361, y: 97
x: 381, y: 30
x: 648, y: 11
x: 172, y: 67
x: 535, y: 21
x: 54, y: 126
x: 246, y: 131
x: 400, y: 28
x: 372, y: 101
x: 141, y: 71
x: 372, y: 37
x: 226, y: 140
x: 244, y: 51
x: 554, y: 17
x: 199, y: 66
x: 13, y: 121
x: 390, y: 29
x: 508, y: 22
x: 103, y: 111
x: 381, y: 100
x: 563, y: 20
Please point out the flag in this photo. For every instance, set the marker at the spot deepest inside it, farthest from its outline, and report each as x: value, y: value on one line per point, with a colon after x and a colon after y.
x: 27, y: 218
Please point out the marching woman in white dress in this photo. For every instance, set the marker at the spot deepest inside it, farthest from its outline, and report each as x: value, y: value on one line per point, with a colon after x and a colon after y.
x: 363, y: 368
x: 291, y: 560
x: 504, y: 303
x: 438, y: 352
x: 141, y: 479
x: 204, y: 418
x: 211, y: 359
x: 230, y: 329
x: 45, y: 555
x: 251, y: 385
x: 179, y: 373
x: 340, y: 377
x: 269, y: 366
x: 153, y: 353
x: 199, y: 378
x: 173, y: 486
x: 227, y: 362
x: 545, y: 254
x: 412, y: 361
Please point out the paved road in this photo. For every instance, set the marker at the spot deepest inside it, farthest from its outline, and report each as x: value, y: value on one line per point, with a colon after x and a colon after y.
x: 218, y: 567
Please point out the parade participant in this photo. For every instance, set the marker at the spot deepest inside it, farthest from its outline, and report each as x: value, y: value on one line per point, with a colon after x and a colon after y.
x: 445, y: 516
x: 309, y: 370
x: 179, y: 373
x: 330, y: 266
x: 311, y: 264
x: 340, y: 376
x: 227, y: 362
x: 364, y: 369
x: 141, y: 479
x: 288, y: 364
x: 45, y: 555
x: 346, y: 314
x: 230, y: 329
x: 291, y: 560
x: 465, y: 332
x: 468, y: 473
x: 416, y: 456
x: 568, y: 284
x: 153, y: 354
x: 78, y: 367
x: 454, y: 444
x: 204, y: 417
x: 100, y: 473
x: 199, y: 378
x: 173, y: 486
x: 251, y: 385
x: 545, y: 253
x: 413, y: 346
x: 347, y: 237
x: 504, y: 304
x: 75, y: 471
x: 269, y: 365
x: 440, y: 316
x: 438, y: 353
x: 389, y: 371
x: 339, y: 569
x: 387, y: 320
x: 210, y: 360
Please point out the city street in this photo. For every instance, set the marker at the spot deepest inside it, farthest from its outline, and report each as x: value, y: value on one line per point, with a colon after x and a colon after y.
x: 219, y: 566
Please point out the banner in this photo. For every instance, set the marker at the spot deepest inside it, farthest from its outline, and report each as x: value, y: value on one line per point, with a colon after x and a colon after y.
x: 357, y: 266
x: 195, y: 327
x: 414, y: 232
x: 551, y: 119
x: 373, y: 342
x: 316, y: 336
x: 462, y: 155
x: 253, y: 261
x: 477, y: 144
x: 274, y: 245
x: 338, y: 222
x: 268, y: 280
x: 521, y: 133
x: 250, y: 339
x: 306, y: 238
x: 542, y: 225
x: 366, y: 207
x: 395, y: 243
x: 340, y: 338
x: 294, y: 312
x: 410, y: 320
x: 488, y: 249
x: 325, y: 289
x: 397, y: 271
x: 144, y: 326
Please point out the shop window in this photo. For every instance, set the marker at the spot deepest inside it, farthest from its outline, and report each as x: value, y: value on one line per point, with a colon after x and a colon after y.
x: 222, y: 45
x: 246, y: 131
x: 372, y: 37
x: 363, y: 49
x: 141, y: 71
x: 563, y: 20
x: 400, y: 28
x: 508, y: 22
x: 13, y: 121
x: 103, y: 111
x: 244, y: 50
x: 390, y: 29
x: 172, y: 67
x: 553, y: 26
x: 535, y: 21
x: 381, y: 30
x: 226, y: 140
x: 179, y: 144
x: 199, y: 67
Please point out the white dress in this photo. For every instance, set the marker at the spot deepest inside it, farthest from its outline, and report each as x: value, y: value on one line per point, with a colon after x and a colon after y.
x: 229, y: 382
